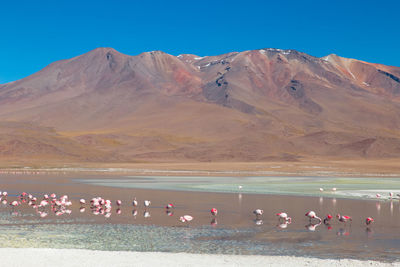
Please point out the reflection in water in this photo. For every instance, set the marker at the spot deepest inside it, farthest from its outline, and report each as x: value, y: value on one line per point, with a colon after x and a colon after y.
x: 283, y: 225
x: 321, y: 201
x: 118, y: 211
x: 334, y: 202
x: 258, y: 222
x: 343, y: 232
x: 146, y: 214
x: 378, y: 207
x: 82, y: 209
x: 134, y: 213
x: 312, y: 227
x: 369, y: 232
x: 169, y: 212
x: 214, y: 222
x: 391, y: 207
x: 42, y: 214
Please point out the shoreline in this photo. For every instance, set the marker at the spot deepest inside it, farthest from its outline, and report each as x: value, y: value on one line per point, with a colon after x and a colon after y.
x: 306, y: 167
x: 83, y: 257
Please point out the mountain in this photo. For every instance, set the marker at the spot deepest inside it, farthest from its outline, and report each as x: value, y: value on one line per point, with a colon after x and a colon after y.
x: 258, y: 105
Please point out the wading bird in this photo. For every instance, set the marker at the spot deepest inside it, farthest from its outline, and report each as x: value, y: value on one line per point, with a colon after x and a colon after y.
x: 186, y: 218
x: 312, y: 215
x: 328, y: 219
x: 343, y: 218
x: 214, y: 211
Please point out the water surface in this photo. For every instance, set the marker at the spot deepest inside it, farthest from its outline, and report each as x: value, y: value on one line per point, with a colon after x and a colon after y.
x: 234, y: 231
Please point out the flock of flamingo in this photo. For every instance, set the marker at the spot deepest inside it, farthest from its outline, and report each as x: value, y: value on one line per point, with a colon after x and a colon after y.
x: 99, y: 205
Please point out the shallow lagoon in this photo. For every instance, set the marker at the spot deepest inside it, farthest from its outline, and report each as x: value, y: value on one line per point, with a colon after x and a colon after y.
x: 234, y: 231
x: 354, y: 187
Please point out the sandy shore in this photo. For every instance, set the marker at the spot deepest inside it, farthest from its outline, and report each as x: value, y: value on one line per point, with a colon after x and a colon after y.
x: 75, y: 257
x: 305, y: 167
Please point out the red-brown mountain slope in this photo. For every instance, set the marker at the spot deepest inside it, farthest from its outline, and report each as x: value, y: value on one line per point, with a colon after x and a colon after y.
x: 249, y: 106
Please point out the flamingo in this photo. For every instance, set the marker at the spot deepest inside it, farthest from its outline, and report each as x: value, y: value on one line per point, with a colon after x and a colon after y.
x: 369, y: 220
x: 214, y: 211
x: 169, y: 206
x: 186, y: 218
x: 135, y: 203
x: 15, y: 203
x: 391, y: 195
x: 312, y: 215
x: 283, y: 216
x: 343, y: 218
x: 118, y: 202
x: 321, y: 189
x: 378, y: 195
x: 147, y: 203
x: 43, y: 203
x: 258, y: 212
x: 327, y: 219
x: 334, y: 189
x: 82, y: 201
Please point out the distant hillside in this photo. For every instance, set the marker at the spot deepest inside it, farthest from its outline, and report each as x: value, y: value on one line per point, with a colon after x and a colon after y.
x: 258, y: 105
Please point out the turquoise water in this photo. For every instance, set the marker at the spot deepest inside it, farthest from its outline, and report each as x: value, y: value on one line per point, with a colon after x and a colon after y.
x: 357, y: 188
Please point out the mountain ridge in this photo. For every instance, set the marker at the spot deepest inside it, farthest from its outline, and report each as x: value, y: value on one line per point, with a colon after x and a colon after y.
x: 241, y: 106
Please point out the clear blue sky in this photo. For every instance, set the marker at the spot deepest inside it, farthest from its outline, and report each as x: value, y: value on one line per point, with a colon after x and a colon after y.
x: 36, y: 33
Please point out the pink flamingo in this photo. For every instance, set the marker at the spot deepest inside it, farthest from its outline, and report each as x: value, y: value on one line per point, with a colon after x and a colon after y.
x: 369, y: 220
x: 343, y: 218
x: 328, y: 219
x: 169, y: 206
x: 214, y: 211
x: 82, y: 201
x: 43, y: 203
x: 118, y: 202
x: 15, y: 203
x: 312, y: 215
x: 258, y: 212
x: 186, y: 218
